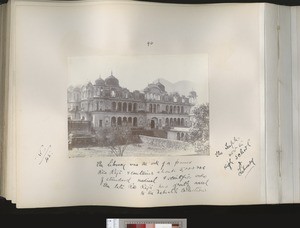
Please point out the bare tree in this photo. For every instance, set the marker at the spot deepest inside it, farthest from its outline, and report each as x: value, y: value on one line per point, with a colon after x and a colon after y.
x: 117, y: 139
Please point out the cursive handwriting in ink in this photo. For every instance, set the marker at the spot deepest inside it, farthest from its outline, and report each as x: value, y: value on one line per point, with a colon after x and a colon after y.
x: 44, y: 154
x: 114, y: 163
x: 231, y: 144
x: 247, y: 167
x: 228, y: 164
x: 236, y: 154
x: 150, y: 43
x: 153, y: 177
x: 218, y: 153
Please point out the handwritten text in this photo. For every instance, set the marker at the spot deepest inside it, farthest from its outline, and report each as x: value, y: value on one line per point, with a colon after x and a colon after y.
x: 153, y: 178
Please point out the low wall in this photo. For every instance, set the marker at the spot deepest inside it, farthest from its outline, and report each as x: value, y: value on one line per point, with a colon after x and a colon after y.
x: 165, y: 143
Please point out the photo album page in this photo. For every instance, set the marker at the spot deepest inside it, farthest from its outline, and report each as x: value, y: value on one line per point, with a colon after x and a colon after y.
x: 138, y: 104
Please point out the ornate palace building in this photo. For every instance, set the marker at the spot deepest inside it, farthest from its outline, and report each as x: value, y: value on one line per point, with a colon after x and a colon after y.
x: 106, y: 104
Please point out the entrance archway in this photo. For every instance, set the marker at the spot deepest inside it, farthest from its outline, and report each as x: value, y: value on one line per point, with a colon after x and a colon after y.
x: 153, y: 123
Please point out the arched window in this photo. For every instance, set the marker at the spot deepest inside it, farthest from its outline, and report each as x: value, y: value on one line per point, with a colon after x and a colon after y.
x: 114, y: 106
x: 129, y: 107
x: 119, y: 121
x: 182, y: 109
x: 150, y: 107
x: 113, y: 93
x: 113, y: 121
x: 158, y: 108
x: 167, y: 122
x: 124, y: 107
x: 178, y: 121
x: 129, y: 121
x: 178, y: 109
x: 101, y: 105
x: 134, y: 121
x: 119, y: 107
x: 171, y: 109
x: 154, y: 108
x: 134, y: 107
x: 182, y: 122
x: 124, y: 121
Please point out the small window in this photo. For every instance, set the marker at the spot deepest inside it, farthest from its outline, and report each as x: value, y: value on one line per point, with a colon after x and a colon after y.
x: 100, y: 123
x: 113, y: 93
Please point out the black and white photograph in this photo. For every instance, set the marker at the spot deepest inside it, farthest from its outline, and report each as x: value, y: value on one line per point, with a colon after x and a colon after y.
x: 155, y: 105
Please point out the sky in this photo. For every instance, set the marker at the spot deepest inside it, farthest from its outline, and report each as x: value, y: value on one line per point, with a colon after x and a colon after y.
x: 137, y: 71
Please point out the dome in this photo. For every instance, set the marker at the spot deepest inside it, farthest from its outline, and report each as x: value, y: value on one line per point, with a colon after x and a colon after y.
x: 99, y: 81
x: 89, y: 84
x: 154, y: 85
x: 161, y: 86
x: 76, y: 89
x: 112, y: 81
x: 193, y: 94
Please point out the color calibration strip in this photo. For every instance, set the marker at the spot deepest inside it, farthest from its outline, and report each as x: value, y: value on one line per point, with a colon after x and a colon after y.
x: 146, y: 223
x: 152, y: 225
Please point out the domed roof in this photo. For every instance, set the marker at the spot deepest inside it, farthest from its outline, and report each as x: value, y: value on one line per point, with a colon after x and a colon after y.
x: 157, y: 84
x: 100, y: 81
x: 77, y: 89
x: 193, y: 94
x: 112, y: 81
x: 161, y: 86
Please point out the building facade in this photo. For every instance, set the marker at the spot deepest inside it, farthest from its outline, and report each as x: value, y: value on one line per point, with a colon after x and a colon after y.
x: 106, y: 104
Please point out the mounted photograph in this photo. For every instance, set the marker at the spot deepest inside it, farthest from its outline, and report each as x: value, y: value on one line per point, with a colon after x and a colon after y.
x: 140, y: 106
